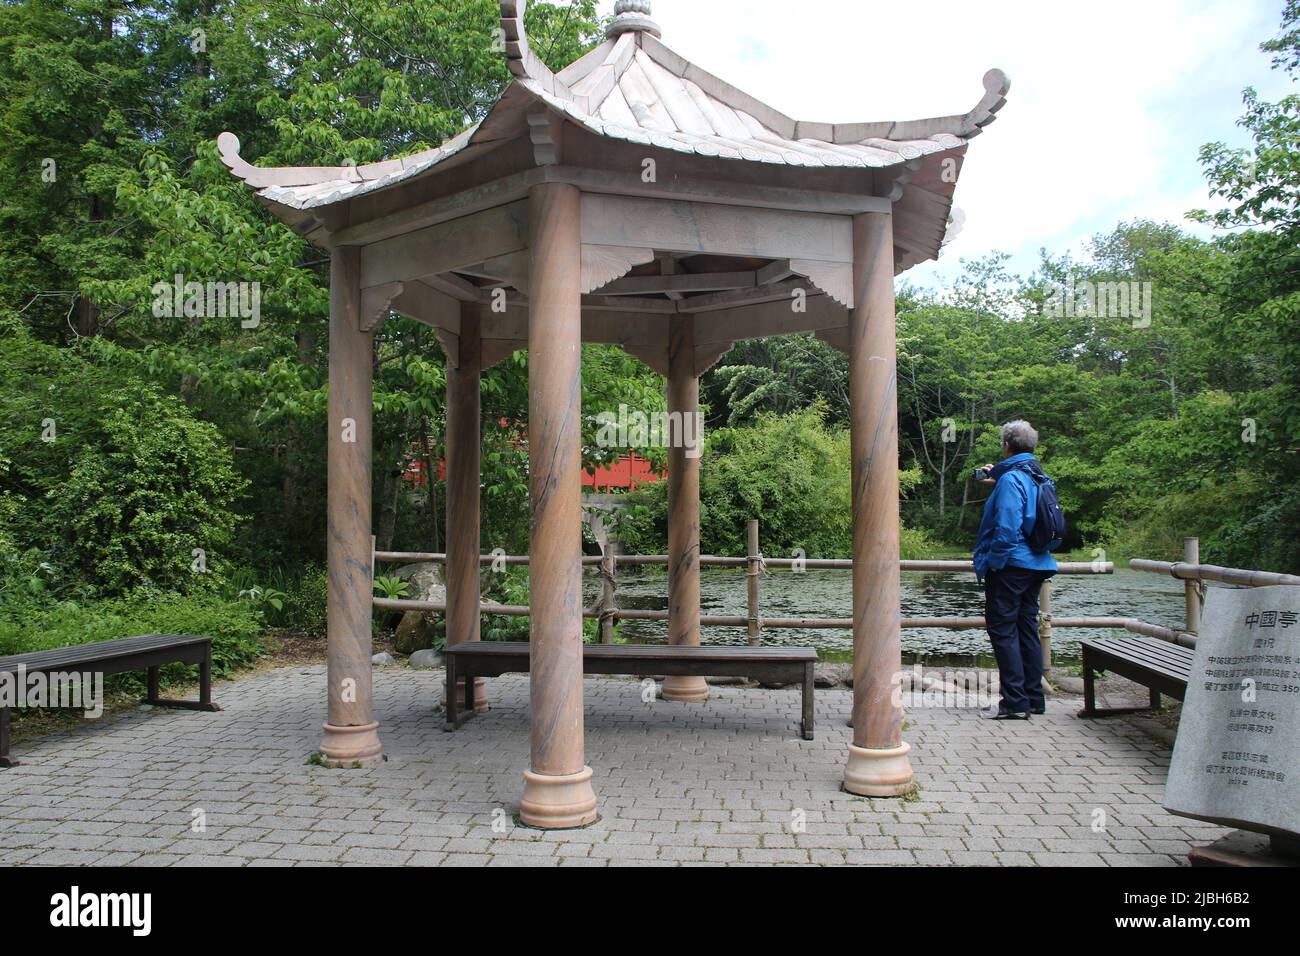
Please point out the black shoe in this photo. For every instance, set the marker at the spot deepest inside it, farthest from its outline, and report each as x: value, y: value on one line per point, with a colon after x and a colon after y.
x: 995, y: 712
x: 1038, y: 709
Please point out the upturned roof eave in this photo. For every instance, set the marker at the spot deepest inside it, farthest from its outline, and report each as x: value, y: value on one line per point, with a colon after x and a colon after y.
x: 320, y: 187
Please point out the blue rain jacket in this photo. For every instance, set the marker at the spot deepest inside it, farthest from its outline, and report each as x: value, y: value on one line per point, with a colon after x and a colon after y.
x: 1008, y: 519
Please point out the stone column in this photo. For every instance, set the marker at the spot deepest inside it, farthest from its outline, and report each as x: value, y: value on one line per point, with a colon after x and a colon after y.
x: 464, y: 436
x: 683, y: 504
x: 351, y: 732
x: 557, y: 789
x: 878, y: 764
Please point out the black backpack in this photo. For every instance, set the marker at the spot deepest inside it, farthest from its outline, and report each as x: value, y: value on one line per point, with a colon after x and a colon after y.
x: 1049, y: 518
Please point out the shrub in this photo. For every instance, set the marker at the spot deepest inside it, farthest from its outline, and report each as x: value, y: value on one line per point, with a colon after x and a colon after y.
x: 158, y: 487
x: 792, y: 472
x: 506, y: 587
x: 305, y: 608
x: 233, y: 626
x: 118, y: 483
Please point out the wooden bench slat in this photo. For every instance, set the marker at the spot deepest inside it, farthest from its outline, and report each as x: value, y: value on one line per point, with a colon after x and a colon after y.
x: 1181, y: 668
x: 1116, y: 662
x: 1173, y: 664
x: 56, y: 657
x: 647, y: 651
x: 1121, y: 647
x: 794, y: 665
x: 1162, y: 650
x: 1161, y: 666
x: 1141, y: 657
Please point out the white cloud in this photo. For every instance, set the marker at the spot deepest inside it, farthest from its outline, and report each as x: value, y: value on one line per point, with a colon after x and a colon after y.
x: 1109, y: 103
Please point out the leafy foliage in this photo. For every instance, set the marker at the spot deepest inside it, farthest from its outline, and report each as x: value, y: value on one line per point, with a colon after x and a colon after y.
x: 791, y: 471
x: 233, y: 626
x: 119, y: 483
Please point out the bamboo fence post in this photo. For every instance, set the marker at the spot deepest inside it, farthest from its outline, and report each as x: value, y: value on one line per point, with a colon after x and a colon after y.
x: 1045, y: 623
x: 754, y: 567
x: 607, y: 609
x: 1192, y: 587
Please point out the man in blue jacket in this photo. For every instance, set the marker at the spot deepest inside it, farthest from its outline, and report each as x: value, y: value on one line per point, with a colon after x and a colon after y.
x: 1013, y: 573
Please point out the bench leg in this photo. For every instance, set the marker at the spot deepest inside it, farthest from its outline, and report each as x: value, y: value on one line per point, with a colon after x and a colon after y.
x: 1090, y: 696
x: 204, y: 702
x: 808, y: 701
x: 1089, y: 689
x: 205, y: 680
x: 6, y: 761
x: 449, y: 697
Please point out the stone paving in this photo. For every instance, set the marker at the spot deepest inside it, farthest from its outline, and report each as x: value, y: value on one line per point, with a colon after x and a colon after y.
x: 727, y: 781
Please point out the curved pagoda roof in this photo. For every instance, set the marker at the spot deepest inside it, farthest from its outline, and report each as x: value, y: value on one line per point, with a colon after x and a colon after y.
x: 633, y: 89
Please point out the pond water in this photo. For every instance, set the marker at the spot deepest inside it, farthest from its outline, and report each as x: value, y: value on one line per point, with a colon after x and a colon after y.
x: 817, y: 593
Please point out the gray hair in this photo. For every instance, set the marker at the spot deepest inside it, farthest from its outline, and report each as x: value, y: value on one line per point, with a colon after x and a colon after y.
x: 1019, y: 436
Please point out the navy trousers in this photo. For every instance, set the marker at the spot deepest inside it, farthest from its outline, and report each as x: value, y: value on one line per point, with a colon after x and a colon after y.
x: 1011, y: 615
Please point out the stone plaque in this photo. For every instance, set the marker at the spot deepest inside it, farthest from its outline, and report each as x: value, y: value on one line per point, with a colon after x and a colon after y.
x: 1237, y: 756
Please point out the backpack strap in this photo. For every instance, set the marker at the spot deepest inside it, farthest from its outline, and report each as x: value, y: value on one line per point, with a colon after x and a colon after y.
x: 1036, y: 470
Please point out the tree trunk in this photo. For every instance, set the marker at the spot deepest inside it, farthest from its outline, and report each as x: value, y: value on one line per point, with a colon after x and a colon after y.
x: 292, y: 440
x: 943, y: 482
x: 431, y: 484
x: 392, y: 483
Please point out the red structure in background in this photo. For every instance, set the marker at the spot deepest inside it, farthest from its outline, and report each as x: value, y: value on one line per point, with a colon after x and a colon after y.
x: 624, y: 474
x: 415, y: 472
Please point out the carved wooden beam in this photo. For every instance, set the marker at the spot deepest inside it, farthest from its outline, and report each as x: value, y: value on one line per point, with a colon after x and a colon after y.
x: 603, y: 264
x: 429, y: 306
x: 690, y: 227
x: 681, y: 283
x: 446, y: 246
x: 833, y: 278
x: 376, y: 303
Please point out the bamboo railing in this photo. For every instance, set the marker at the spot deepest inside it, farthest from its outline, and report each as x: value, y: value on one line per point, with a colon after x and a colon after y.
x: 1194, y: 575
x: 755, y: 565
x: 1190, y: 571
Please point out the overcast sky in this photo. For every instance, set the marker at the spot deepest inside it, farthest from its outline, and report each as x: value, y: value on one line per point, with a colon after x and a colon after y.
x: 1110, y: 100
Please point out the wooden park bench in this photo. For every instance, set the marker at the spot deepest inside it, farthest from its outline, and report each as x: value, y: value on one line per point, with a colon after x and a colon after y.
x: 148, y: 652
x: 1160, y: 666
x: 782, y: 665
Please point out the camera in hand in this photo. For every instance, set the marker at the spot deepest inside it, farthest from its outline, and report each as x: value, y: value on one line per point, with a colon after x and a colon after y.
x: 982, y: 474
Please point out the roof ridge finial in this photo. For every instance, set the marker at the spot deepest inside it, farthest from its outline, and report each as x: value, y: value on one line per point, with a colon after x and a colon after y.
x: 630, y: 16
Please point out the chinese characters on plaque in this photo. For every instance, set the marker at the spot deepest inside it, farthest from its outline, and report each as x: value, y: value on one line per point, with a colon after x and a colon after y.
x: 1236, y: 760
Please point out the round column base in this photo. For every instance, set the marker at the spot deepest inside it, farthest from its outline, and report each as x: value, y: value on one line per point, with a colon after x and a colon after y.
x: 558, y: 802
x: 879, y: 773
x: 351, y: 746
x: 480, y: 694
x: 689, y: 690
